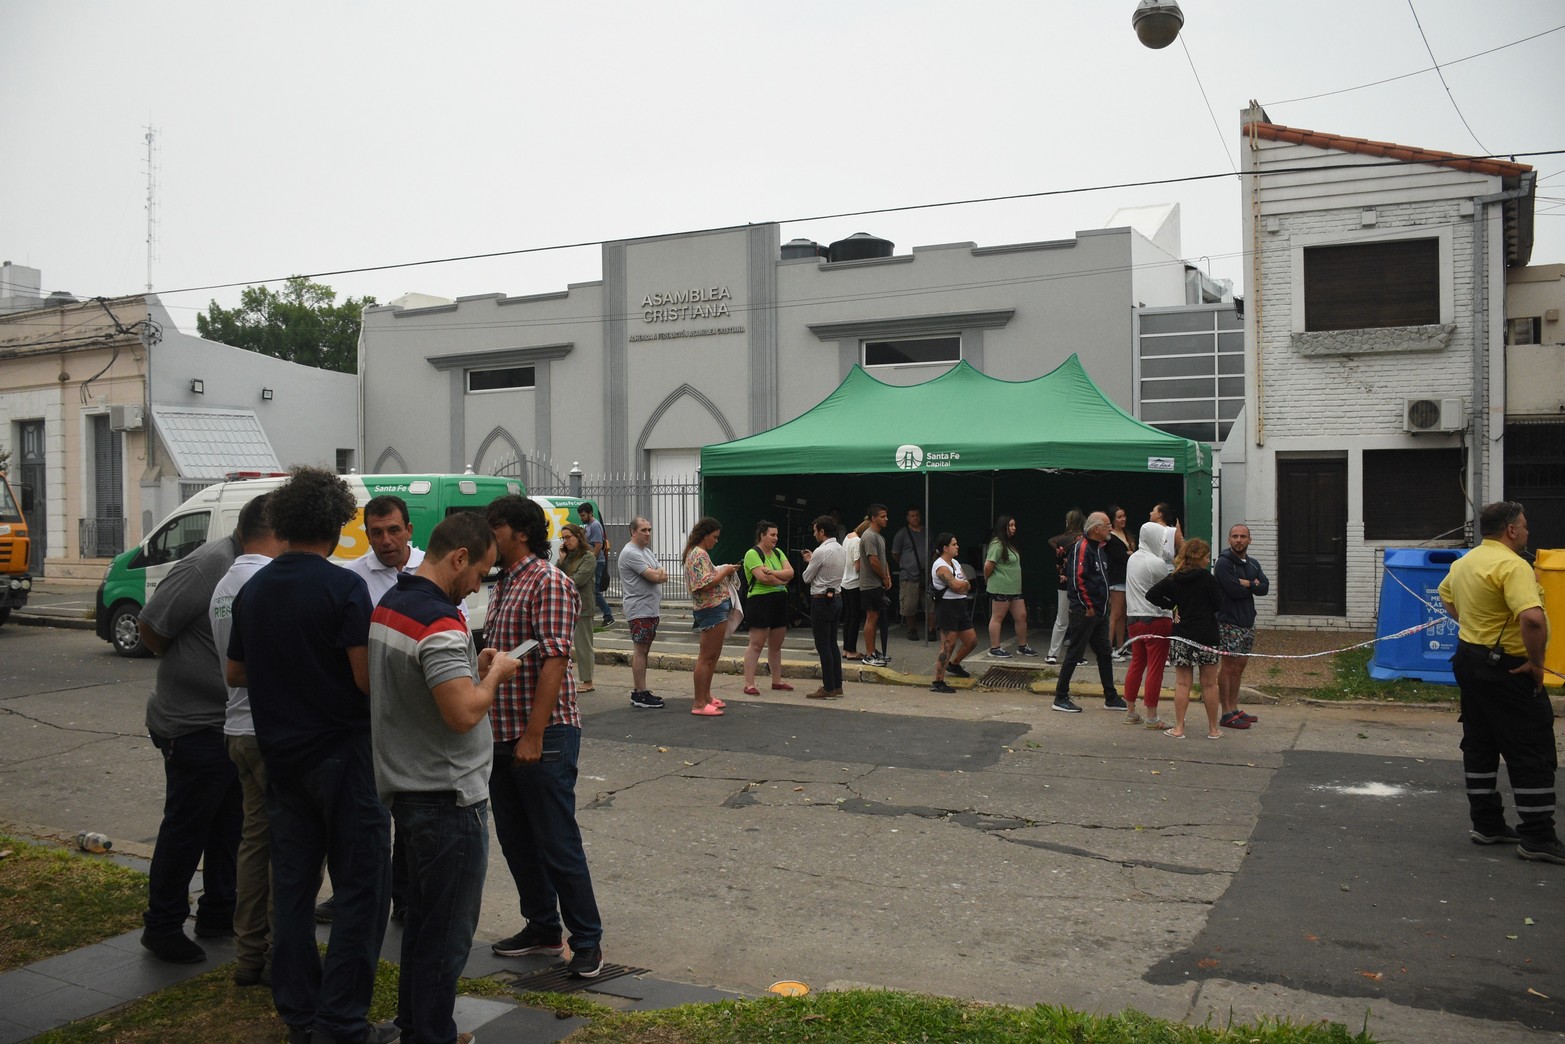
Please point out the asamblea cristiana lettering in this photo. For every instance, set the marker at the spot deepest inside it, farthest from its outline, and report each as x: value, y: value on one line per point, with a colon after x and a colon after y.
x: 696, y: 302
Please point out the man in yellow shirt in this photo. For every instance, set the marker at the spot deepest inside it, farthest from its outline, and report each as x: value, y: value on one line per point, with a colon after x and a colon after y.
x: 1493, y: 595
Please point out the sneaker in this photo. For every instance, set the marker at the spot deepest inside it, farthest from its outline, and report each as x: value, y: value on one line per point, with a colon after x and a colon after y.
x: 325, y: 910
x: 1133, y: 718
x: 1050, y: 659
x: 644, y: 700
x: 1081, y: 662
x: 941, y: 686
x: 998, y: 653
x: 956, y: 670
x: 1548, y: 852
x: 1115, y: 702
x: 608, y: 621
x: 912, y: 636
x: 1066, y: 705
x: 384, y: 1033
x: 1506, y: 835
x: 1026, y: 650
x: 531, y: 939
x: 1234, y: 721
x: 246, y: 977
x: 175, y: 948
x: 1158, y: 724
x: 876, y: 661
x: 586, y: 962
x: 1120, y: 656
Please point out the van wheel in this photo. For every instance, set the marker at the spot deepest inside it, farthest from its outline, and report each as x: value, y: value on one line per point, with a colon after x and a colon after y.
x: 123, y: 633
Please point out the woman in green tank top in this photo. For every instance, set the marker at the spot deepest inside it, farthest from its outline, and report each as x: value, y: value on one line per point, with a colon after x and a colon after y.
x: 766, y: 575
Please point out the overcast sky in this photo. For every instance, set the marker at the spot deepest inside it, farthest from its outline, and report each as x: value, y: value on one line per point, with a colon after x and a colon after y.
x: 308, y: 137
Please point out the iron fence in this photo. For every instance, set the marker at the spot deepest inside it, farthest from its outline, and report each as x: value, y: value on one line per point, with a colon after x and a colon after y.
x: 672, y: 503
x: 100, y: 537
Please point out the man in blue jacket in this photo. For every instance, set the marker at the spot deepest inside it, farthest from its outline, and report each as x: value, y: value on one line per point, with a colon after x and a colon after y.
x: 1241, y: 579
x: 1087, y: 587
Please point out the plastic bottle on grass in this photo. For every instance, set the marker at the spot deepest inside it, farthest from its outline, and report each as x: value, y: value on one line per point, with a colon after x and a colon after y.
x: 92, y: 841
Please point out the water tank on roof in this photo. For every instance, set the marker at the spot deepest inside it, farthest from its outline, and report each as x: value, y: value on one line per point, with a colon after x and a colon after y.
x: 59, y: 299
x: 796, y: 248
x: 860, y: 246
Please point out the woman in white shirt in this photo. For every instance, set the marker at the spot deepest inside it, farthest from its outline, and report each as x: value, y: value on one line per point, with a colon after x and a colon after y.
x: 953, y: 612
x: 852, y: 612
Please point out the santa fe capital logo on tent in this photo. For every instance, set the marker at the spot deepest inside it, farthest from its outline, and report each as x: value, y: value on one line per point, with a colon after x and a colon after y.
x: 909, y: 457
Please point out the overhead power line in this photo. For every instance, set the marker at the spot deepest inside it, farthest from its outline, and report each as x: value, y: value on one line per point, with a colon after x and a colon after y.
x: 1042, y: 194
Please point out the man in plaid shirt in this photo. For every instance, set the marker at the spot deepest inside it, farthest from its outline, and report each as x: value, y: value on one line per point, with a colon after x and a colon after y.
x: 537, y: 735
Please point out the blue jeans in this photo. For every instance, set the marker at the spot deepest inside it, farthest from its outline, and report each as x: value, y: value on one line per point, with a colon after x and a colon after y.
x: 535, y: 819
x: 203, y: 809
x: 600, y: 581
x: 329, y: 811
x: 445, y: 851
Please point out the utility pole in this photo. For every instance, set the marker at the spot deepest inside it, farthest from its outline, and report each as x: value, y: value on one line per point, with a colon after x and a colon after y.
x: 152, y: 202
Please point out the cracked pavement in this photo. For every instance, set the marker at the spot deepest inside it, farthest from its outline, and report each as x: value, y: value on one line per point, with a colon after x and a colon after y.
x: 973, y: 845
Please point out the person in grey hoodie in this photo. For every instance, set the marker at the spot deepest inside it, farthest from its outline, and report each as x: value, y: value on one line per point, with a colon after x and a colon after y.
x: 1150, y: 626
x: 1241, y: 579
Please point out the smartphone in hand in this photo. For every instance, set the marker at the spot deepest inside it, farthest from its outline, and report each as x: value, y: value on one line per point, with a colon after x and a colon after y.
x: 524, y: 649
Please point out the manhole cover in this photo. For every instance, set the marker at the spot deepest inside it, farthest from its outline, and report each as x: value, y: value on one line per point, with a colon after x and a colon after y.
x: 1009, y: 677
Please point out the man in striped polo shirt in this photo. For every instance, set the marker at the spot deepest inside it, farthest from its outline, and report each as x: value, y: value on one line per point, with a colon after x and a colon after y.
x: 429, y: 720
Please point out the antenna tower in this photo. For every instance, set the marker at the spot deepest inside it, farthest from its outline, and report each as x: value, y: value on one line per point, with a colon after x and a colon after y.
x: 152, y: 202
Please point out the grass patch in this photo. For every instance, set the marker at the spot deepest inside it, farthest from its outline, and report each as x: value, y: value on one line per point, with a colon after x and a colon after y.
x: 1351, y: 681
x: 883, y: 1017
x: 210, y: 1007
x: 52, y: 902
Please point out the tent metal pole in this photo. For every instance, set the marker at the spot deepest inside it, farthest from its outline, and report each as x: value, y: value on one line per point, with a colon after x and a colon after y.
x: 927, y: 602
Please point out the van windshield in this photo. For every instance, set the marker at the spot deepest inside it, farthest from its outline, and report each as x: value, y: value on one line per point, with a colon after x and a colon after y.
x: 9, y: 512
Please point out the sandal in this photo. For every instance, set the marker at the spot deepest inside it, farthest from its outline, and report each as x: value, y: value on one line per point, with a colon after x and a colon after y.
x: 585, y: 688
x: 751, y: 690
x: 711, y: 710
x: 719, y: 704
x: 782, y: 686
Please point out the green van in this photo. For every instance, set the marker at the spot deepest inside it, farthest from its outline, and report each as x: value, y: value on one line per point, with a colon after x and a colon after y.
x: 214, y: 512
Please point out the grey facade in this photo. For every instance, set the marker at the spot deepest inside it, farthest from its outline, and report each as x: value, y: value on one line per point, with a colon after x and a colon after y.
x: 694, y: 339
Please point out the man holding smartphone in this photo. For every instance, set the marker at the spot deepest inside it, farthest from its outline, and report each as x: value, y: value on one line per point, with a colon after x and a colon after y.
x: 430, y: 695
x: 537, y: 738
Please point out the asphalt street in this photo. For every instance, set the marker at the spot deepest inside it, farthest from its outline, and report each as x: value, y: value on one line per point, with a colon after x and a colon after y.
x: 975, y: 845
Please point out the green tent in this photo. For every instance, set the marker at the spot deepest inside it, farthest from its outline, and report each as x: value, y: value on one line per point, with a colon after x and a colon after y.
x: 965, y: 448
x: 962, y: 420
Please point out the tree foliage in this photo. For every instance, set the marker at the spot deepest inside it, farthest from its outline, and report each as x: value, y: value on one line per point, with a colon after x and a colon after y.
x: 301, y: 323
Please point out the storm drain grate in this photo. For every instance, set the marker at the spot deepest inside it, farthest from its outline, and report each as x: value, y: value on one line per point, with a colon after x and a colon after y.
x: 558, y: 980
x: 1009, y: 677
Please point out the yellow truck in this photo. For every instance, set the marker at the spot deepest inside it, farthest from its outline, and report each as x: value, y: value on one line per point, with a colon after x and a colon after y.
x: 15, y: 582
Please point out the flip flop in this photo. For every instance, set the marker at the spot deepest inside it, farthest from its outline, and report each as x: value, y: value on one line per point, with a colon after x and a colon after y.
x: 1211, y: 736
x: 1174, y: 735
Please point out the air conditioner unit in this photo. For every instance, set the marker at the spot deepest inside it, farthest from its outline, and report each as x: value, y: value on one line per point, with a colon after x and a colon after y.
x: 126, y: 418
x: 1433, y: 415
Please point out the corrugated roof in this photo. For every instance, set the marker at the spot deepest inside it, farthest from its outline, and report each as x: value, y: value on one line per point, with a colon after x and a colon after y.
x: 1389, y: 150
x: 208, y: 442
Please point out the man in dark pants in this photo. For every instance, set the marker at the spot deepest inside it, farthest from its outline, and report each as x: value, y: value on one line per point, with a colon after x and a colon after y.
x: 299, y: 641
x: 203, y: 806
x: 823, y: 573
x: 598, y: 538
x: 537, y: 739
x: 1087, y: 576
x: 1495, y: 599
x: 430, y: 724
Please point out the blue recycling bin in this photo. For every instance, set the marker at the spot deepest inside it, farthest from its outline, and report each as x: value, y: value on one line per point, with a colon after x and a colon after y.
x: 1410, y: 595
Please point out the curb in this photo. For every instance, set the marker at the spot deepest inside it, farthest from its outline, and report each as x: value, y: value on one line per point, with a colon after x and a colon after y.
x: 22, y: 618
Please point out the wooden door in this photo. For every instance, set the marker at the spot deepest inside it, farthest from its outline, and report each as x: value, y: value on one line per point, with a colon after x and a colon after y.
x: 1312, y: 528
